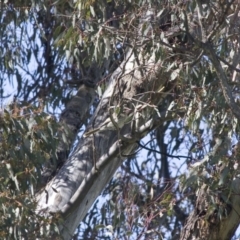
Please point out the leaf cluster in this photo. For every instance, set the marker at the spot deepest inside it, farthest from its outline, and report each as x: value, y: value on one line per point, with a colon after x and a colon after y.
x: 27, y: 141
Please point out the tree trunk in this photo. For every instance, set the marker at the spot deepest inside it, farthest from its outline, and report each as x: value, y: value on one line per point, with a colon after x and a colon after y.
x: 202, y: 224
x: 136, y: 89
x: 216, y: 215
x: 96, y: 157
x: 71, y: 119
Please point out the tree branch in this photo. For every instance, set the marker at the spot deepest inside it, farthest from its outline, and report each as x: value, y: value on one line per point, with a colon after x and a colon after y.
x: 222, y: 78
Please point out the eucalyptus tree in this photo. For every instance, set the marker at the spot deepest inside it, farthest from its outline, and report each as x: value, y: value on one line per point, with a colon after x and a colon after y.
x: 93, y: 78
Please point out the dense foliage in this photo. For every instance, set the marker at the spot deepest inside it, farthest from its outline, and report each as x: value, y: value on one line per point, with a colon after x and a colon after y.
x: 51, y: 48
